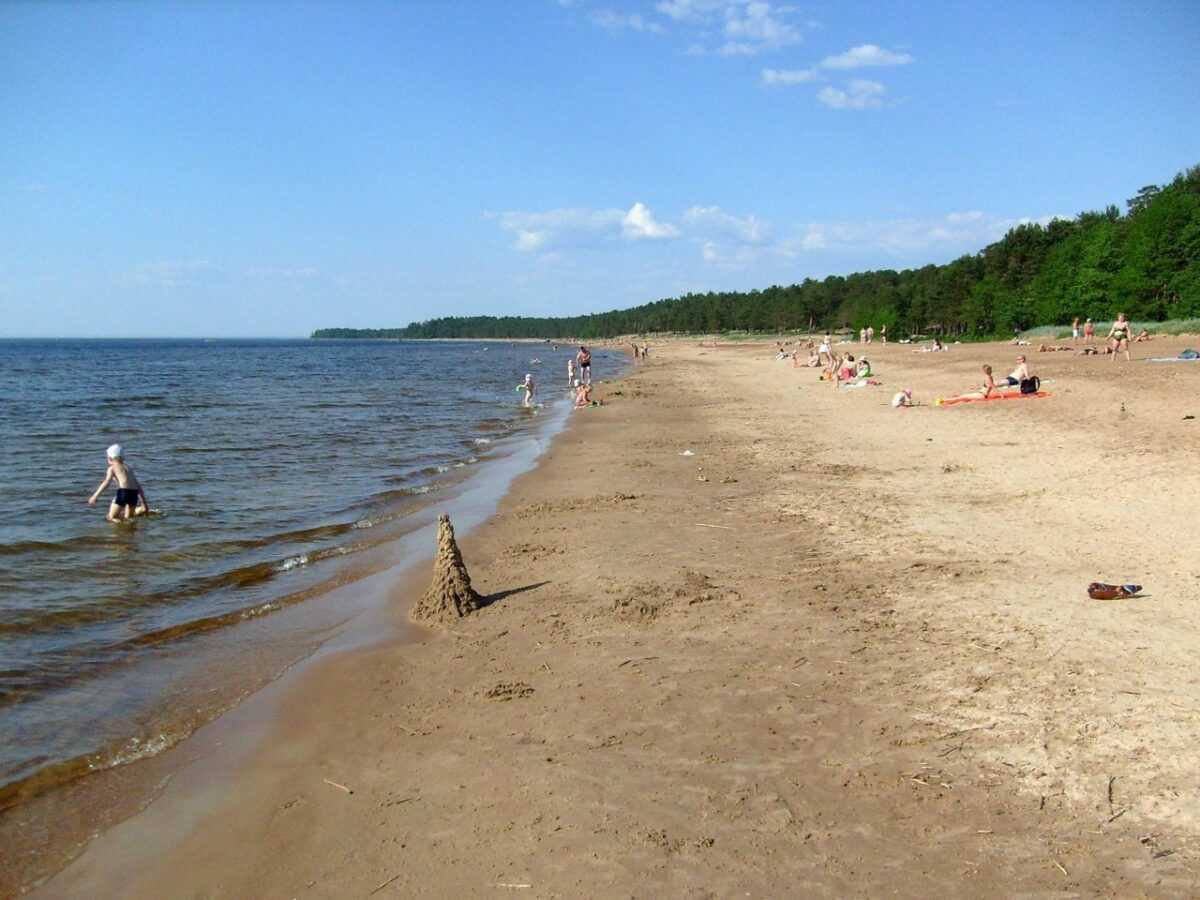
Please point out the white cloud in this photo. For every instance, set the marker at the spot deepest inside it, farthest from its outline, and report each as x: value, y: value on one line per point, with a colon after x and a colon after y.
x: 530, y: 241
x: 639, y: 223
x: 910, y: 240
x: 682, y: 10
x: 859, y: 94
x: 776, y: 77
x: 748, y: 228
x: 615, y: 21
x: 715, y: 255
x: 755, y: 26
x: 865, y: 55
x: 172, y: 273
x: 536, y: 230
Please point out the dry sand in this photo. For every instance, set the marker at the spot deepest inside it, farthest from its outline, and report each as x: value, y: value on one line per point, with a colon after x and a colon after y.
x: 842, y: 650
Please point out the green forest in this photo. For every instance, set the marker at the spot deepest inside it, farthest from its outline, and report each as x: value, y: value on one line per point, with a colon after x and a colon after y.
x: 1145, y: 263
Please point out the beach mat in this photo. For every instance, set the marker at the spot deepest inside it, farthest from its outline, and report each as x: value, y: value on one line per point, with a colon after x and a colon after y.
x: 1003, y: 395
x: 1174, y: 359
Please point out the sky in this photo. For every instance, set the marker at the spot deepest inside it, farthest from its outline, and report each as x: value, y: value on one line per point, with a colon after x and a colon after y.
x: 267, y: 168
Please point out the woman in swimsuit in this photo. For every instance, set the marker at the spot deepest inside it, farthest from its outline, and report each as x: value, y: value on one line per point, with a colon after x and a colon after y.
x: 984, y: 391
x: 1118, y: 337
x: 1089, y: 331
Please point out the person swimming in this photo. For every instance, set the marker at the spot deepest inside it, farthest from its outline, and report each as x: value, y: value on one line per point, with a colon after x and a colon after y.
x: 131, y: 498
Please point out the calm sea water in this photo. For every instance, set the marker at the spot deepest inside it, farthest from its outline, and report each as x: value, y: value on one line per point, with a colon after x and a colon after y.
x: 273, y: 462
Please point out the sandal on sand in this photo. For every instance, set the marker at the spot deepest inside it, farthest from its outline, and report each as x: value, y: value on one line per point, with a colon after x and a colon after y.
x: 1098, y: 590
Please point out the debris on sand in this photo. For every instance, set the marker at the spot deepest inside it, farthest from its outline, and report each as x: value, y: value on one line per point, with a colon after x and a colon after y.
x: 450, y: 595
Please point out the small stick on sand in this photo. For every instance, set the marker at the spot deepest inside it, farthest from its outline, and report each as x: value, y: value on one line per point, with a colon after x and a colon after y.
x: 636, y: 659
x: 951, y: 734
x: 340, y: 787
x: 1120, y: 812
x: 706, y: 525
x: 385, y: 884
x: 507, y: 885
x: 1060, y: 867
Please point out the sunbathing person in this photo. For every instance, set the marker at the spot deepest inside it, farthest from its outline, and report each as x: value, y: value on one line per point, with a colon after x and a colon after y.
x: 1143, y: 335
x: 1020, y: 373
x: 982, y: 392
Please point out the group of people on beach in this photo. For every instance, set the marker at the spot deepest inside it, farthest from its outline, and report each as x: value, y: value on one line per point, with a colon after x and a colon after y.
x: 866, y: 335
x: 579, y: 380
x: 1020, y: 377
x: 1120, y: 336
x: 837, y: 368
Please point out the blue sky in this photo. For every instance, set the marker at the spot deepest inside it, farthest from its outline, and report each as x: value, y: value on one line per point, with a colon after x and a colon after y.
x: 266, y: 168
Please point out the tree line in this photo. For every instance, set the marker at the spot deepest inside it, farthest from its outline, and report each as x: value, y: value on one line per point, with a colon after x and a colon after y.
x: 1145, y: 263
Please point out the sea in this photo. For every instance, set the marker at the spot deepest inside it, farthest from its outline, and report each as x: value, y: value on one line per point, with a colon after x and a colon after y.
x: 279, y: 471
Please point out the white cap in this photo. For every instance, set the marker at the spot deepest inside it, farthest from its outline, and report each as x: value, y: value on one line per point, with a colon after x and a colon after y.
x: 115, y: 452
x: 528, y: 377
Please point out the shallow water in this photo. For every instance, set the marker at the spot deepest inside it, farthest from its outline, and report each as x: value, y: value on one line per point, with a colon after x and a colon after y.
x: 278, y: 466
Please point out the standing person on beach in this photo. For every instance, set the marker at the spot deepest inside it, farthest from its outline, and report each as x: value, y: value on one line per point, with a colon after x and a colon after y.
x: 826, y: 348
x: 1075, y: 330
x: 870, y: 333
x: 1089, y: 332
x: 584, y: 359
x: 883, y: 334
x: 131, y: 498
x: 1118, y: 337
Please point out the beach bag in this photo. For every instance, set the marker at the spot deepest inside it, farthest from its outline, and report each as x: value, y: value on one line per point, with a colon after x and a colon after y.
x: 1189, y: 354
x: 1031, y: 385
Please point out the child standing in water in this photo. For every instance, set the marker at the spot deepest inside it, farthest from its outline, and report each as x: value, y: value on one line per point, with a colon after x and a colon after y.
x: 528, y: 387
x: 571, y: 372
x: 131, y: 499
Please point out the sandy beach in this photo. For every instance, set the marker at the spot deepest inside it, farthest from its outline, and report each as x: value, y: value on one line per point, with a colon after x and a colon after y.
x: 752, y: 635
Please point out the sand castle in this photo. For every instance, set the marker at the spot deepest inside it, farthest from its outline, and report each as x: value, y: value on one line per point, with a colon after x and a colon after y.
x: 450, y: 595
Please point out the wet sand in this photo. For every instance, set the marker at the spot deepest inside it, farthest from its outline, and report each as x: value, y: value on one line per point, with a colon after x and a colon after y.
x: 840, y: 650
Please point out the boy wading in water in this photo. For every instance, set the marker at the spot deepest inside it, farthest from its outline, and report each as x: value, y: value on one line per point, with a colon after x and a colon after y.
x: 131, y: 499
x: 528, y: 387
